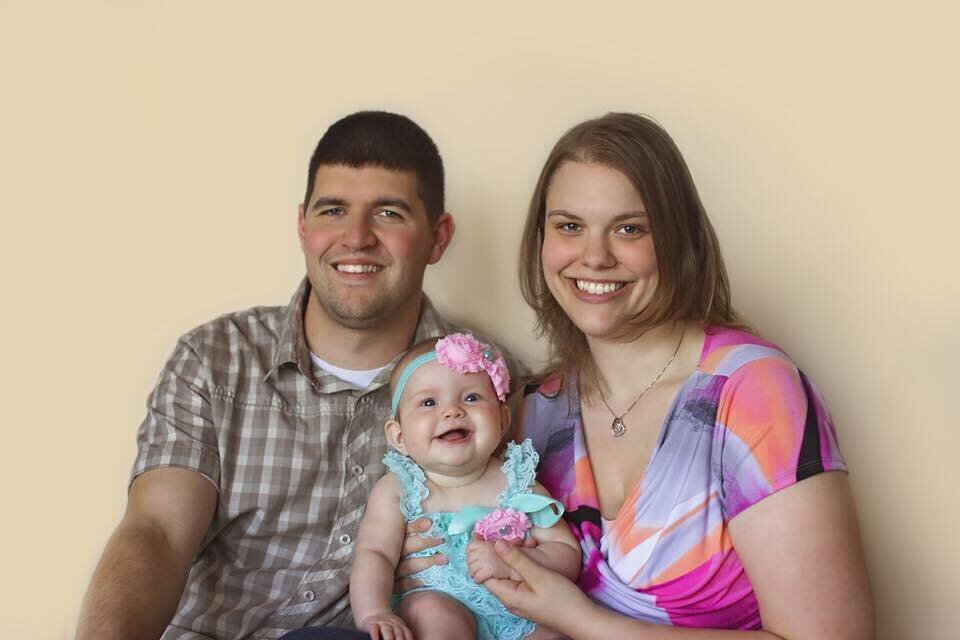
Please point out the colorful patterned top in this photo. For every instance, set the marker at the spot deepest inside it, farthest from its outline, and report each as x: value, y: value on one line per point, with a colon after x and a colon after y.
x: 745, y: 424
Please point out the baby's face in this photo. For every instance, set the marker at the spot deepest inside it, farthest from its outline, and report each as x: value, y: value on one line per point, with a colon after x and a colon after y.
x: 450, y: 422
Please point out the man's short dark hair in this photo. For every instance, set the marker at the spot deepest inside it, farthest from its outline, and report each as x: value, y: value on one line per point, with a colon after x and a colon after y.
x: 386, y: 140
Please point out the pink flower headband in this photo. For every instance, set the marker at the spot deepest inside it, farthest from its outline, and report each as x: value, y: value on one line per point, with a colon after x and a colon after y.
x: 463, y: 353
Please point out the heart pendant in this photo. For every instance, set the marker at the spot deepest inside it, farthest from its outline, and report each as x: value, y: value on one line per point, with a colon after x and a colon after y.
x: 617, y: 428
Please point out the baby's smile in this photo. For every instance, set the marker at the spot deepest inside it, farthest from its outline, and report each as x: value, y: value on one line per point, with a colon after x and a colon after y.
x: 455, y: 435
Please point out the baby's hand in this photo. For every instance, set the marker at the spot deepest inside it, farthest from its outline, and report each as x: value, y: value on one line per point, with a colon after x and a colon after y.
x: 386, y: 626
x: 485, y: 563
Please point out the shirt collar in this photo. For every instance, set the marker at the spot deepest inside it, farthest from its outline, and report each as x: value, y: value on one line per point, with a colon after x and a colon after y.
x: 292, y: 344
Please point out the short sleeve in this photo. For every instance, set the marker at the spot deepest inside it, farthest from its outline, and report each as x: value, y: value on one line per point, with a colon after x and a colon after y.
x: 772, y: 430
x: 178, y: 430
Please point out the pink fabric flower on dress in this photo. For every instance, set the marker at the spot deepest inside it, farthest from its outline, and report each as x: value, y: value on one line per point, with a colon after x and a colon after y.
x: 463, y: 353
x: 503, y: 524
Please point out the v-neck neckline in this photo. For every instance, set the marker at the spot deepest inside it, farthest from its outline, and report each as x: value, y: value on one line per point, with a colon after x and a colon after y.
x: 580, y: 440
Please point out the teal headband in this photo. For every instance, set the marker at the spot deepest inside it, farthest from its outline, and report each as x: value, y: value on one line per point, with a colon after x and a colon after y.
x: 408, y: 371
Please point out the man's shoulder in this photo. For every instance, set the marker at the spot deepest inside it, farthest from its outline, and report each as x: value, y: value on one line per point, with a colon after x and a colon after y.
x: 239, y: 347
x: 255, y: 325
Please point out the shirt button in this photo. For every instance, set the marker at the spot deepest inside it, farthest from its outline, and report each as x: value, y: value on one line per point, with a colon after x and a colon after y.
x: 357, y: 470
x: 309, y: 596
x: 345, y: 539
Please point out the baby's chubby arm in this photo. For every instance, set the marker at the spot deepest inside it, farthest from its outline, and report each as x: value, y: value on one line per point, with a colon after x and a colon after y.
x: 556, y: 549
x: 379, y: 540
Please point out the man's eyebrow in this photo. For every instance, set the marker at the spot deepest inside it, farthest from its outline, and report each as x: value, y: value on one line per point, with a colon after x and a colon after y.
x: 328, y: 201
x: 332, y: 201
x: 399, y: 203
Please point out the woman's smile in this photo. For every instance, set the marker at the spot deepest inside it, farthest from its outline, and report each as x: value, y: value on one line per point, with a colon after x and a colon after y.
x: 597, y: 290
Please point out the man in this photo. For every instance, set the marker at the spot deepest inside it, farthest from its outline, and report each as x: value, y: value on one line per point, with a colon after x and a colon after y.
x: 264, y: 433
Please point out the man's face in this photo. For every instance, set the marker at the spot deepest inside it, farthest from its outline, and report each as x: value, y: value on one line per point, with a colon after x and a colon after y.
x: 367, y: 242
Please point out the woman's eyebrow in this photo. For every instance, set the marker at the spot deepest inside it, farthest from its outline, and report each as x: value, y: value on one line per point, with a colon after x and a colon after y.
x: 626, y: 215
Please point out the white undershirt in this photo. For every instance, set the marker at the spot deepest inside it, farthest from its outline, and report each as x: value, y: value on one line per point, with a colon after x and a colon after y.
x: 357, y: 378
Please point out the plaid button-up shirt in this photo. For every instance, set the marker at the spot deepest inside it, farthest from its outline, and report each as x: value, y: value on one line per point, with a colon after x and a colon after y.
x: 294, y: 453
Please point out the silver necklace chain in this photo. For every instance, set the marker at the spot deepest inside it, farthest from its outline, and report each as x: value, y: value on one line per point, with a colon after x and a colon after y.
x: 618, y: 427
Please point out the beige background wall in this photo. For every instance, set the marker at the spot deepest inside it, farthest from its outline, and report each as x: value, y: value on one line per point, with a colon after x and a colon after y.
x: 152, y: 156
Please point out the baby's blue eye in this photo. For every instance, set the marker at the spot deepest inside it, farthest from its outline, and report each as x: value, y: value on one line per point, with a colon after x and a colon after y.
x: 471, y: 397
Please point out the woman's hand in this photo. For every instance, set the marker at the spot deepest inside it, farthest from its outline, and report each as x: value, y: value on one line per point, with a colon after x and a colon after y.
x: 386, y: 626
x: 412, y: 543
x: 541, y: 595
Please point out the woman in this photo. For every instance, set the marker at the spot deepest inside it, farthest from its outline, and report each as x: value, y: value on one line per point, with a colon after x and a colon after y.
x: 697, y: 465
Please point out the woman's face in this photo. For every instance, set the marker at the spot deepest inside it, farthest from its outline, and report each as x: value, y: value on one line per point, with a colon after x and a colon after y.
x: 598, y: 256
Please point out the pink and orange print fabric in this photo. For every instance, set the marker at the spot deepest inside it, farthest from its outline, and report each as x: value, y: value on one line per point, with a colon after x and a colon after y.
x: 745, y: 424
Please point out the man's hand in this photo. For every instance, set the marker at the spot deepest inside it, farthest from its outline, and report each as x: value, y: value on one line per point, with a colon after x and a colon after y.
x: 386, y: 626
x: 484, y: 562
x: 413, y: 543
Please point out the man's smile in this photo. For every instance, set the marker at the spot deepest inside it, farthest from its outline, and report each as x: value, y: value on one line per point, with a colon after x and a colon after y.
x: 357, y: 268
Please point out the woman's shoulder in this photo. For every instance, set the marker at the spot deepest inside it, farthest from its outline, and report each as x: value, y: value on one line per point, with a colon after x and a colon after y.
x: 549, y: 407
x: 551, y: 398
x: 728, y: 351
x: 773, y: 426
x: 548, y: 386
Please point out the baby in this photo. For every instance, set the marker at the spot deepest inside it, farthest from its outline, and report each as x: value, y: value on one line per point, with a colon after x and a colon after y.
x: 448, y: 419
